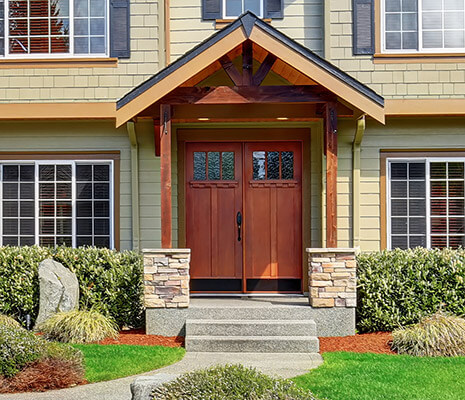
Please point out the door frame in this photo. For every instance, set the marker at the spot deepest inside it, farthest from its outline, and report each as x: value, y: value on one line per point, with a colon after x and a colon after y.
x: 244, y: 135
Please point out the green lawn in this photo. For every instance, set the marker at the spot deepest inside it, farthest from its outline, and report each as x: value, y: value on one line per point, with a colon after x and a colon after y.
x: 352, y: 376
x: 103, y: 363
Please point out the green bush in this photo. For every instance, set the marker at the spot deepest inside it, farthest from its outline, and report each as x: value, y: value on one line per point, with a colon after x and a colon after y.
x: 78, y: 327
x: 398, y: 288
x: 63, y: 352
x: 107, y: 278
x: 231, y: 382
x: 441, y: 335
x: 18, y: 347
x: 5, y: 320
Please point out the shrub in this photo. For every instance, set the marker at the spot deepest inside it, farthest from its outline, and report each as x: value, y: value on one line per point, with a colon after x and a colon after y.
x: 107, y: 278
x: 438, y: 335
x: 5, y: 320
x: 78, y: 327
x: 398, y: 288
x: 18, y: 347
x: 231, y: 382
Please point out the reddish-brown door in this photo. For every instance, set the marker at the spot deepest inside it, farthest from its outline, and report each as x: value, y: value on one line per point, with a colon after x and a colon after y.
x: 244, y: 216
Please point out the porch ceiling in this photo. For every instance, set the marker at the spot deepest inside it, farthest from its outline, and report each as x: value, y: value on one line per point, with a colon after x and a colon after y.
x: 209, y: 75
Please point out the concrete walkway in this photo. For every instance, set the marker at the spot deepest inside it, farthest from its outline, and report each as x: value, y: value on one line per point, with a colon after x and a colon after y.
x: 285, y: 365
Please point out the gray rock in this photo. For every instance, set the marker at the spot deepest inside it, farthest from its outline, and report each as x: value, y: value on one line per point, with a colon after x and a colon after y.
x: 59, y: 290
x: 142, y: 387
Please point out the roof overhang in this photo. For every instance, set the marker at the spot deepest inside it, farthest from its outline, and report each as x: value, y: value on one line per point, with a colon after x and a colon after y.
x: 250, y: 27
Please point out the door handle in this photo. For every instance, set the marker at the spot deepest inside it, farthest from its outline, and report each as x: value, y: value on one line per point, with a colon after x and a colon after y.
x: 239, y: 225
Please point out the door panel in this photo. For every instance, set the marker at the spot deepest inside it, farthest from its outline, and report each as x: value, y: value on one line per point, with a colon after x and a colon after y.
x: 273, y: 214
x: 213, y: 198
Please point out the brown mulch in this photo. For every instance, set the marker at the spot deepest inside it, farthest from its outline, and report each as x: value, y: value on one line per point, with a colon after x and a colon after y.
x: 138, y: 337
x: 366, y: 343
x: 44, y: 375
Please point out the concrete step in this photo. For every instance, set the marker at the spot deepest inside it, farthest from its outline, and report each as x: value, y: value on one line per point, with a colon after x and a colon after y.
x: 202, y: 327
x: 253, y: 344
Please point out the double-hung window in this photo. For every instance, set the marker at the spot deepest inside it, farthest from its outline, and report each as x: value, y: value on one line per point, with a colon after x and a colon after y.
x: 52, y: 203
x: 424, y: 26
x: 53, y: 28
x: 234, y: 8
x: 426, y: 203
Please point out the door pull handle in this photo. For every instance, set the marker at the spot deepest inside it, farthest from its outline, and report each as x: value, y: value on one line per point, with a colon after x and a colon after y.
x: 239, y: 225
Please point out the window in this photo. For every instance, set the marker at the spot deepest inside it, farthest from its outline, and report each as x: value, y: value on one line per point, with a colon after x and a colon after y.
x: 53, y: 203
x: 234, y: 8
x: 428, y: 26
x: 53, y: 28
x: 426, y: 203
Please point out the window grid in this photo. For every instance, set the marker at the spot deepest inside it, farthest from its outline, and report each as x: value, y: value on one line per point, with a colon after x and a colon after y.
x: 421, y: 48
x: 99, y: 239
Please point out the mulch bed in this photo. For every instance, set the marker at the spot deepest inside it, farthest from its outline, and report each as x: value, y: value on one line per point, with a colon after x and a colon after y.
x: 138, y: 337
x: 366, y: 343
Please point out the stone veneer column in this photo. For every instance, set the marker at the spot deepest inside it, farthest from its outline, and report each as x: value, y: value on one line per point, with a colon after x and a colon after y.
x: 166, y: 278
x: 332, y: 277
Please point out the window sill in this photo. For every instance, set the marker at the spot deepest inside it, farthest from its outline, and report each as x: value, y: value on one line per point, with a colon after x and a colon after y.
x: 384, y: 58
x: 58, y: 63
x: 221, y: 23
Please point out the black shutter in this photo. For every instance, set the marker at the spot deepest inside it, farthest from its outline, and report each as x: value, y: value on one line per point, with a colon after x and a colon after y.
x: 212, y: 9
x: 364, y: 27
x: 119, y: 29
x: 273, y: 9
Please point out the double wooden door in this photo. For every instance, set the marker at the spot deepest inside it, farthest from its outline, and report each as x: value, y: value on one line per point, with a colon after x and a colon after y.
x: 244, y: 216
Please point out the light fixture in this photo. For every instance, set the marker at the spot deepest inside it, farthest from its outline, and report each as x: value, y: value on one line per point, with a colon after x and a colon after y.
x: 282, y: 118
x: 203, y: 119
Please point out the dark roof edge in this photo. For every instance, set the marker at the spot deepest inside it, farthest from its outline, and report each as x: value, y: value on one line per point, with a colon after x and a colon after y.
x: 341, y: 75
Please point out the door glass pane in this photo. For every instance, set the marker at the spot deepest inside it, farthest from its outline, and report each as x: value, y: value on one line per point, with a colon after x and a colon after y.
x: 258, y: 158
x: 213, y: 165
x: 287, y: 159
x: 273, y: 165
x: 227, y: 165
x: 200, y: 165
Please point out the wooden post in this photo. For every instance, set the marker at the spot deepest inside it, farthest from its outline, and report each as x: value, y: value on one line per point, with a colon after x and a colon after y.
x: 331, y: 174
x: 165, y: 175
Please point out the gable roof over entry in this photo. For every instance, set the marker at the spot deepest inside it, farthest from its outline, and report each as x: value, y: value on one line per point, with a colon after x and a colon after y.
x: 250, y: 27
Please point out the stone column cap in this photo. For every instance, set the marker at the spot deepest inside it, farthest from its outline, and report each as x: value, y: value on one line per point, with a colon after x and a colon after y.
x: 355, y: 250
x: 166, y: 251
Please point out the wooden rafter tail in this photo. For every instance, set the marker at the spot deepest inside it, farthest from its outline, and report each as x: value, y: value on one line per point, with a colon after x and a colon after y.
x: 231, y: 70
x: 165, y: 175
x: 330, y: 119
x: 264, y: 69
x: 247, y: 63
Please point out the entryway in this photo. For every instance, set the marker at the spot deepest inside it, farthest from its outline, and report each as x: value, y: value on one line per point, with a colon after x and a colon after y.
x: 244, y: 216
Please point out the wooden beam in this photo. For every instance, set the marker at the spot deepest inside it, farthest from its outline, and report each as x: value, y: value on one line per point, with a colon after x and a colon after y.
x: 165, y: 175
x: 247, y: 63
x: 330, y: 122
x: 246, y: 95
x: 231, y: 70
x: 157, y: 136
x: 263, y: 70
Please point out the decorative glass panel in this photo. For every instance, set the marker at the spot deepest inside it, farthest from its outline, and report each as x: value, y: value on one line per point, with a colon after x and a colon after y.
x: 213, y: 165
x: 258, y: 160
x: 273, y: 165
x: 227, y: 161
x: 200, y: 165
x: 287, y: 167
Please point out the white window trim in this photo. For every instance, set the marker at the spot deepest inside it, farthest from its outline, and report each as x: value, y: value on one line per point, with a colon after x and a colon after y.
x: 427, y: 161
x: 48, y: 56
x: 73, y: 193
x: 225, y: 16
x: 420, y: 49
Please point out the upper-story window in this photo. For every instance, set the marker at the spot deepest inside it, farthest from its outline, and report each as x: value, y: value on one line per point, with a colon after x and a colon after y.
x: 38, y: 28
x: 234, y: 8
x: 426, y: 26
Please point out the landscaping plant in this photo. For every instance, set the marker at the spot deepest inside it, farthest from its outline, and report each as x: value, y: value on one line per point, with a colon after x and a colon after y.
x: 398, y: 288
x: 86, y: 326
x: 230, y: 382
x: 438, y: 335
x: 5, y: 320
x: 107, y: 278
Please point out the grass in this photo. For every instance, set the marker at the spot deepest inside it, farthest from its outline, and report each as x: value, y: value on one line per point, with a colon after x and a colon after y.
x: 103, y: 363
x: 352, y: 376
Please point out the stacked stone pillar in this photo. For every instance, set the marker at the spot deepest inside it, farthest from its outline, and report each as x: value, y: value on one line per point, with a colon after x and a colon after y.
x: 166, y: 278
x: 332, y: 277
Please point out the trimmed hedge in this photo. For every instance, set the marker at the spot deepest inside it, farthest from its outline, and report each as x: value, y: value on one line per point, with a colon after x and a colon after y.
x: 110, y: 281
x: 400, y: 287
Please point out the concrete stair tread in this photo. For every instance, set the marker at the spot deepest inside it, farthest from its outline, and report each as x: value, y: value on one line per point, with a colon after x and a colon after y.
x: 251, y: 338
x: 249, y: 321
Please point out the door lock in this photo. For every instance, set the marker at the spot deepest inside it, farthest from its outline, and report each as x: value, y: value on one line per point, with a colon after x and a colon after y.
x: 239, y: 225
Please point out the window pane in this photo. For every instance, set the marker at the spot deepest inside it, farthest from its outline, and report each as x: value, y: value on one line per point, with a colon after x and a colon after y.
x: 101, y: 209
x: 63, y: 172
x: 453, y: 4
x: 410, y: 40
x: 26, y: 191
x: 398, y: 189
x: 64, y: 209
x: 409, y: 22
x: 83, y: 209
x: 84, y: 190
x: 101, y: 227
x: 399, y: 226
x: 81, y: 45
x: 84, y: 226
x: 399, y: 208
x: 10, y: 209
x: 439, y: 207
x: 101, y: 173
x: 453, y: 20
x: 417, y: 207
x: 252, y: 5
x: 456, y: 207
x: 287, y: 160
x: 417, y: 225
x: 46, y: 172
x: 63, y: 226
x: 10, y: 190
x: 200, y: 165
x: 273, y: 165
x: 27, y: 209
x: 438, y: 189
x: 456, y: 241
x: 409, y: 5
x: 46, y: 209
x: 27, y: 173
x: 84, y: 173
x: 97, y: 8
x: 393, y: 5
x: 432, y: 39
x: 81, y: 27
x: 399, y: 242
x: 47, y: 227
x: 432, y: 20
x: 10, y: 226
x: 432, y: 4
x: 393, y: 40
x: 393, y: 22
x: 258, y: 160
x: 454, y: 39
x: 438, y: 170
x: 102, y: 241
x: 233, y: 8
x: 81, y: 8
x: 27, y: 227
x: 417, y: 241
x: 213, y: 165
x: 84, y: 241
x: 10, y: 173
x: 101, y: 191
x: 97, y: 45
x: 399, y: 171
x: 227, y: 165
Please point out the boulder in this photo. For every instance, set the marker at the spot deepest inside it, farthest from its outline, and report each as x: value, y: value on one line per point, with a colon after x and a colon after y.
x: 59, y: 290
x: 143, y: 386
